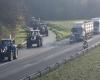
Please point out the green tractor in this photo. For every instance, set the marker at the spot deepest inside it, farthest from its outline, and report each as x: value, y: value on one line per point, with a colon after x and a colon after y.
x: 34, y: 37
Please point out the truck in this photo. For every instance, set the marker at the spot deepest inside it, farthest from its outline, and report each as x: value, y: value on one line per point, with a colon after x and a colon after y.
x: 81, y: 30
x: 96, y: 25
x: 8, y: 49
x: 34, y: 37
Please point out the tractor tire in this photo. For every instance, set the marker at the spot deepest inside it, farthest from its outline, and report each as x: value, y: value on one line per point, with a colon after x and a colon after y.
x: 10, y: 57
x: 29, y: 45
x: 1, y: 58
x: 47, y: 34
x: 39, y: 43
x: 15, y: 56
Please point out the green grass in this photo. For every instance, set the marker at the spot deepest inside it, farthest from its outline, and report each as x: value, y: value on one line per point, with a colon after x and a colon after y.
x: 61, y: 28
x: 20, y: 35
x: 86, y: 67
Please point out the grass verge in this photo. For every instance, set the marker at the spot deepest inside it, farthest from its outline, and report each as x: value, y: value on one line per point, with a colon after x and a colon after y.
x: 61, y: 28
x: 86, y: 67
x: 20, y: 35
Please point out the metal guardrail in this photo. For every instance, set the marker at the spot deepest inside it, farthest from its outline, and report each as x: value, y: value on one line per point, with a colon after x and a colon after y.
x: 57, y: 65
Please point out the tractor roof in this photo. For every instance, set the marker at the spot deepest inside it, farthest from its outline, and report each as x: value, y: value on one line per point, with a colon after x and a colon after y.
x: 35, y: 30
x: 7, y: 39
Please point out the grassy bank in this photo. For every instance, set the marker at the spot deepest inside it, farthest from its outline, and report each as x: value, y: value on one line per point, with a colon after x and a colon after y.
x: 61, y: 28
x: 20, y: 35
x: 86, y: 67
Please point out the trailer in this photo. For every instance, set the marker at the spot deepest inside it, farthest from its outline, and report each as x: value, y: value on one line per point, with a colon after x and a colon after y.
x: 81, y: 30
x: 96, y: 25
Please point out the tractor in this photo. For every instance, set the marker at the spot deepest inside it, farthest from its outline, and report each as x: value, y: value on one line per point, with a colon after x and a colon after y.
x: 34, y: 37
x: 8, y: 49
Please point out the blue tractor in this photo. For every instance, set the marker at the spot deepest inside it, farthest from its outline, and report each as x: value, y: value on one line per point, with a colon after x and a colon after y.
x: 8, y: 49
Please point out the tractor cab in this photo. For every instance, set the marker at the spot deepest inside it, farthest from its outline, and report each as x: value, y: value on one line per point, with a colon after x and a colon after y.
x: 34, y: 33
x: 7, y: 42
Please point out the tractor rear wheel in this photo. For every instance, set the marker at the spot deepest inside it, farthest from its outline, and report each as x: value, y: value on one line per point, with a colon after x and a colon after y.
x: 15, y: 56
x: 10, y: 57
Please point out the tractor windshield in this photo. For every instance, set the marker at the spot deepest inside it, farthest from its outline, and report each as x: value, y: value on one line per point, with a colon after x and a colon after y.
x: 5, y: 42
x: 77, y: 30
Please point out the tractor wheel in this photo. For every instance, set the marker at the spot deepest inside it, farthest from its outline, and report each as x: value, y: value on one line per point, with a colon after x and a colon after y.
x: 47, y: 34
x: 29, y: 45
x: 15, y: 56
x: 10, y: 57
x: 39, y: 43
x: 1, y: 58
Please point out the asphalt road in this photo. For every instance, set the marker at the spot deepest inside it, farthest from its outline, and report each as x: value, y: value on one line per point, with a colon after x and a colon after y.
x: 51, y: 54
x: 47, y: 42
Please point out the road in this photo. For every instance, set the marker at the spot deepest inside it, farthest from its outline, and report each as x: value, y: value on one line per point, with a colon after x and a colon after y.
x: 47, y: 41
x: 17, y: 69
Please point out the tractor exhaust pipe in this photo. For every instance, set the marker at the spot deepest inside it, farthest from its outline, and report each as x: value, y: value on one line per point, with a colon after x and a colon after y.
x: 10, y: 36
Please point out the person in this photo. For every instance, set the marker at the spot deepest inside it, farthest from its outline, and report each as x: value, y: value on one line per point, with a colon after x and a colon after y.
x: 85, y: 44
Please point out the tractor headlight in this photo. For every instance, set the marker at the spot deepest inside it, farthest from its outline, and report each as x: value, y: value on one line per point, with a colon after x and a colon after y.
x: 2, y: 50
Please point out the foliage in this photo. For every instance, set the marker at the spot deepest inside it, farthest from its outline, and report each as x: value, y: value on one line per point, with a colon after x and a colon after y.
x: 61, y: 28
x: 20, y: 35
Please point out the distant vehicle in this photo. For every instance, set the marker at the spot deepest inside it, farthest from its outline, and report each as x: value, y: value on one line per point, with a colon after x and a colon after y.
x: 34, y: 37
x: 81, y: 31
x: 96, y: 24
x: 37, y: 24
x: 8, y: 49
x: 43, y: 29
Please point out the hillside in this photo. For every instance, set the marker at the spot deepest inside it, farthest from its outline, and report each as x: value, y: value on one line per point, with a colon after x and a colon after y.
x: 64, y: 9
x: 18, y: 12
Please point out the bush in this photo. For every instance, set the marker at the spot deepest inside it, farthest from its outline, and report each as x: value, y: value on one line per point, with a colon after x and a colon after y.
x: 60, y: 31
